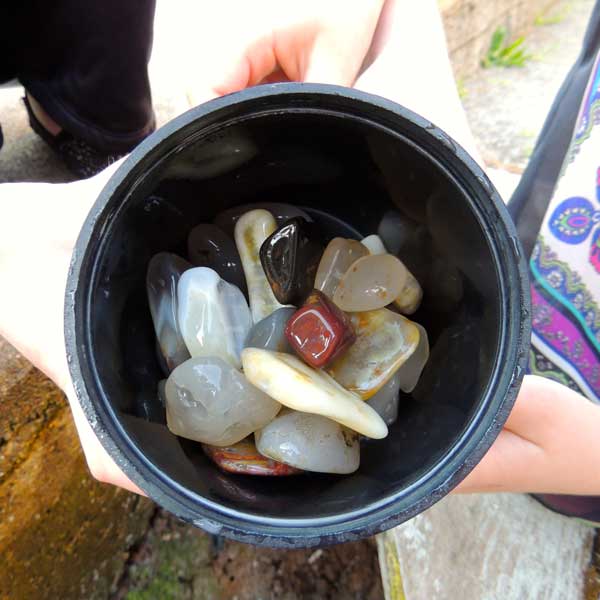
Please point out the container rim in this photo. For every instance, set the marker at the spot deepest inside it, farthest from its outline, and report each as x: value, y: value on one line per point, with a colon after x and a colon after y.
x: 478, y: 435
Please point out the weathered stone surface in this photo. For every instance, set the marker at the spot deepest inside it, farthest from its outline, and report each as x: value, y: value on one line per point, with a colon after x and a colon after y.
x: 486, y: 546
x: 62, y: 535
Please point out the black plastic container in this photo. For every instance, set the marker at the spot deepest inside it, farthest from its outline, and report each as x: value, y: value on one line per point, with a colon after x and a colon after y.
x: 349, y: 158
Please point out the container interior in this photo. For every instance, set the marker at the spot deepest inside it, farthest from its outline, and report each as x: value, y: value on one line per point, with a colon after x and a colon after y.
x: 350, y: 175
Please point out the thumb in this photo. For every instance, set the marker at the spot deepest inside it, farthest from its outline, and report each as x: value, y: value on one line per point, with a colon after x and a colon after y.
x: 328, y: 63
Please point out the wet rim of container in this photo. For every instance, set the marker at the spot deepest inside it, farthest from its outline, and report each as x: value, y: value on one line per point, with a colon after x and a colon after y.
x: 485, y: 423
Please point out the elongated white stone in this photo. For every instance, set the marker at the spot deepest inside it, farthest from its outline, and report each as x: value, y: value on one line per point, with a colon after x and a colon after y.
x: 227, y: 219
x: 162, y: 277
x: 251, y: 230
x: 385, y: 401
x: 214, y: 317
x: 294, y: 384
x: 384, y: 341
x: 374, y: 244
x: 210, y: 401
x: 309, y: 442
x: 410, y: 372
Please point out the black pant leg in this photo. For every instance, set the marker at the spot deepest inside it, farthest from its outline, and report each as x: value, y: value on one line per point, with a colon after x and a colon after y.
x: 86, y: 62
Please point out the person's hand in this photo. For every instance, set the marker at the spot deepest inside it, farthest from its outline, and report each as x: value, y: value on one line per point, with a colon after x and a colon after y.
x: 550, y: 444
x: 39, y: 224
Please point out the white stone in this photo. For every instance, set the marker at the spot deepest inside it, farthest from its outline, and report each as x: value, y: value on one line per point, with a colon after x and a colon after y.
x: 410, y: 372
x: 251, y: 230
x: 385, y: 401
x: 209, y: 401
x: 214, y: 317
x: 309, y: 442
x: 294, y: 384
x: 374, y: 244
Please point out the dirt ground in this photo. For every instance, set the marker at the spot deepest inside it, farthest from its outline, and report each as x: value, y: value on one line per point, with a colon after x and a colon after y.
x: 177, y: 561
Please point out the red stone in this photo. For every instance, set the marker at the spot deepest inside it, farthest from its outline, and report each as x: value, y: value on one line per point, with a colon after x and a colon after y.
x: 243, y: 458
x: 319, y: 331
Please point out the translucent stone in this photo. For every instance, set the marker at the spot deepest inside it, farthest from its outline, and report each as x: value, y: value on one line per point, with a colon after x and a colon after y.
x: 372, y: 282
x: 162, y: 277
x: 251, y: 230
x: 374, y: 244
x: 384, y: 341
x: 411, y: 295
x: 210, y: 401
x: 338, y: 257
x: 214, y: 317
x: 319, y: 331
x: 289, y: 381
x: 227, y: 219
x: 162, y: 395
x: 411, y: 370
x: 209, y: 246
x: 269, y: 333
x: 243, y: 458
x: 309, y: 442
x: 409, y: 299
x: 395, y: 230
x: 385, y: 401
x: 290, y: 257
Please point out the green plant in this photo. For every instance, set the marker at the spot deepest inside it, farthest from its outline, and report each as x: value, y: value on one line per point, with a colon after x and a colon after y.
x: 556, y: 17
x: 501, y: 54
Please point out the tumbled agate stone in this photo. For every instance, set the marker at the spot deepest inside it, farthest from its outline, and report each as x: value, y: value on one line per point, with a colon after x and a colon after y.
x: 210, y: 246
x: 269, y: 333
x: 282, y: 212
x: 374, y: 244
x: 372, y: 282
x: 411, y: 370
x: 296, y: 385
x: 385, y: 401
x: 290, y: 257
x: 395, y: 230
x: 319, y: 331
x: 251, y: 230
x: 162, y: 277
x: 409, y: 299
x: 338, y: 257
x: 243, y: 458
x: 384, y: 341
x: 210, y: 401
x: 214, y: 317
x: 309, y: 442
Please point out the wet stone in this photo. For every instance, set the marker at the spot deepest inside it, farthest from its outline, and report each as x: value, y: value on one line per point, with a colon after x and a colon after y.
x: 340, y: 254
x: 244, y: 459
x: 385, y: 401
x: 162, y: 278
x: 251, y: 230
x: 310, y: 442
x: 296, y: 385
x: 209, y: 246
x: 282, y: 212
x: 319, y: 331
x: 384, y: 341
x: 269, y: 333
x: 410, y: 372
x: 210, y: 401
x: 290, y: 257
x: 214, y: 317
x: 372, y: 282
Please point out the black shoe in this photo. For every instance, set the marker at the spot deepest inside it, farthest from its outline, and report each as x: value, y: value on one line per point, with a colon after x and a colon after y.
x: 79, y: 157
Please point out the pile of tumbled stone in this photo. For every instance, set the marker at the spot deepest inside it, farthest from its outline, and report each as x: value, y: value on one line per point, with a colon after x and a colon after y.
x: 289, y: 381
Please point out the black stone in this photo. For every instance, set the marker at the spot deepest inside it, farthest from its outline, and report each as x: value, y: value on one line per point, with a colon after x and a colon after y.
x: 290, y: 257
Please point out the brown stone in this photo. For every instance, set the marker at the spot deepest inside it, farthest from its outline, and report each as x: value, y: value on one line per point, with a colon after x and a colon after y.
x: 62, y: 535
